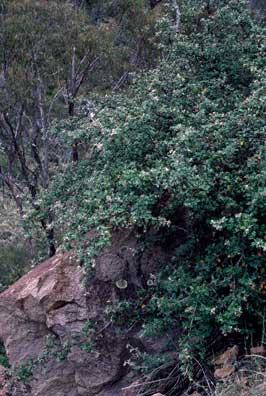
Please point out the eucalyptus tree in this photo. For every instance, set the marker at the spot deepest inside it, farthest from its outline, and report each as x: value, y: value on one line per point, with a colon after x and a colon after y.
x: 47, y: 51
x: 51, y: 52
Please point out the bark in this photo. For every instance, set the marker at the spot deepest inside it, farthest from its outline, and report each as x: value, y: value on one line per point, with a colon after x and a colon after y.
x: 17, y: 151
x: 14, y: 190
x: 177, y: 16
x: 43, y: 122
x: 77, y: 76
x: 46, y: 224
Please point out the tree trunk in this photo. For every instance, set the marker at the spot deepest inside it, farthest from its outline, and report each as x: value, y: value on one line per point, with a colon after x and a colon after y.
x: 71, y: 112
x: 49, y: 232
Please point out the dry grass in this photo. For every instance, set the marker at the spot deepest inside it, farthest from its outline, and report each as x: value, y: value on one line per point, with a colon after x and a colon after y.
x: 249, y: 380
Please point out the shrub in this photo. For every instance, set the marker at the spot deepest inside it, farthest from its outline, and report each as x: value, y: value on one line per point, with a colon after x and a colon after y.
x: 188, y: 134
x: 14, y: 262
x: 3, y: 357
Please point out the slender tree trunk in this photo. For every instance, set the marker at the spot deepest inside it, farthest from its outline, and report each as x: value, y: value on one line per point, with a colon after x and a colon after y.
x: 71, y: 104
x: 49, y: 231
x: 13, y: 190
x: 177, y: 15
x: 75, y: 152
x: 71, y: 113
x: 40, y: 103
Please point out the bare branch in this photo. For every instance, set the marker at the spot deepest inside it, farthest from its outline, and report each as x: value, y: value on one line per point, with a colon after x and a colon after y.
x: 13, y: 187
x: 81, y: 78
x: 40, y: 104
x: 52, y: 103
x: 121, y: 81
x: 177, y: 16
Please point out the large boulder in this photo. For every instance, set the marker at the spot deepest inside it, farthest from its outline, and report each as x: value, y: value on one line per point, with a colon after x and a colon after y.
x: 42, y: 322
x: 57, y: 333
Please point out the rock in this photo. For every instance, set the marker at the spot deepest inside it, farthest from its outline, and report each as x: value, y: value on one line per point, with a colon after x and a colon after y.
x: 51, y: 303
x: 159, y: 344
x: 117, y: 260
x: 225, y: 363
x: 224, y: 372
x: 258, y: 350
x: 124, y: 259
x: 228, y: 357
x: 157, y: 394
x: 38, y: 305
x: 132, y: 389
x: 47, y: 317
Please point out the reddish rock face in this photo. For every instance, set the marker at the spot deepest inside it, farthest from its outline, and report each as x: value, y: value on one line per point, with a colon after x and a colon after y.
x: 42, y: 317
x: 46, y: 319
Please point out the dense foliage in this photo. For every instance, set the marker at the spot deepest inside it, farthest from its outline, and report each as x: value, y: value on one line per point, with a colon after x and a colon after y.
x: 188, y: 134
x: 3, y: 358
x: 51, y: 53
x: 180, y: 152
x: 15, y: 252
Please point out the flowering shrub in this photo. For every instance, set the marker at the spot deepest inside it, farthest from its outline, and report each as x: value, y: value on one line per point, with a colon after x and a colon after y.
x: 189, y: 134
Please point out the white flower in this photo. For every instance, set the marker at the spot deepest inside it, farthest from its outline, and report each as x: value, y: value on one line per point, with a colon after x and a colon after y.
x: 218, y: 224
x: 238, y: 215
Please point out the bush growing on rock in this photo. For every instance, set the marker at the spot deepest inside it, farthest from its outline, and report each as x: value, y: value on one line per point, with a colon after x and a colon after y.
x: 188, y: 134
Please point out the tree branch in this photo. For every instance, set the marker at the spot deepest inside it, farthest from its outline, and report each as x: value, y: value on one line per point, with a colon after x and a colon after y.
x: 177, y: 16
